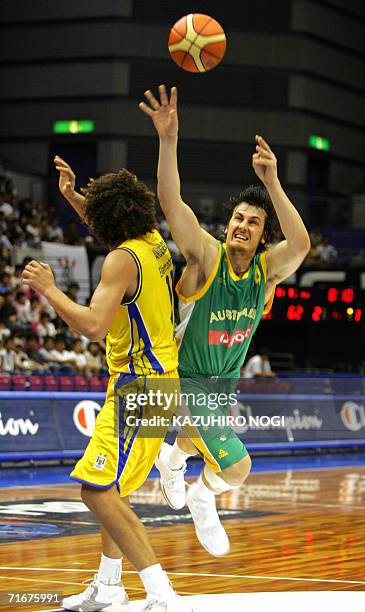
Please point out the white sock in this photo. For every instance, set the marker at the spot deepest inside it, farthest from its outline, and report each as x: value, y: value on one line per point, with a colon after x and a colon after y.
x: 177, y: 457
x: 155, y: 580
x: 201, y: 489
x: 110, y: 570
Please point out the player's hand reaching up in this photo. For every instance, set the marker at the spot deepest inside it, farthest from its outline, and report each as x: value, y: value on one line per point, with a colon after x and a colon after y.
x: 67, y: 178
x: 264, y: 162
x: 164, y: 112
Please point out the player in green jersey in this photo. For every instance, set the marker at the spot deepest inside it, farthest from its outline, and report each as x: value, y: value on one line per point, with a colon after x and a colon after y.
x: 223, y: 293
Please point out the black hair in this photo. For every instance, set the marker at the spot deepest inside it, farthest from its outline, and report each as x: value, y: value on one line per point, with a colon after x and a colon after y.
x: 257, y: 195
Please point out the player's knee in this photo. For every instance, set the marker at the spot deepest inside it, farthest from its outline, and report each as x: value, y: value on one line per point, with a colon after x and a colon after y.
x: 92, y: 497
x: 236, y: 474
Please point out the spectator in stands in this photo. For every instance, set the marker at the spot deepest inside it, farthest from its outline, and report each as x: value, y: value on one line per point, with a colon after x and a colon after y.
x: 5, y: 283
x: 22, y: 305
x: 32, y: 232
x: 315, y: 237
x: 4, y: 241
x: 93, y: 358
x: 45, y: 351
x: 11, y: 356
x: 327, y: 252
x: 5, y: 207
x: 31, y: 348
x: 4, y: 331
x: 78, y: 356
x: 53, y: 232
x: 7, y: 310
x: 35, y: 310
x: 72, y: 291
x: 17, y: 278
x: 258, y: 366
x: 45, y: 326
x: 61, y: 356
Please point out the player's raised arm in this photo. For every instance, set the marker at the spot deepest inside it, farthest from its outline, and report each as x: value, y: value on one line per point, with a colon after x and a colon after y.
x: 285, y: 258
x: 67, y: 186
x: 190, y: 238
x: 119, y: 272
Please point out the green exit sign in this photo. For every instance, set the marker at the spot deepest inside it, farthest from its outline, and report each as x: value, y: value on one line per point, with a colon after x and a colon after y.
x: 74, y: 126
x: 318, y: 142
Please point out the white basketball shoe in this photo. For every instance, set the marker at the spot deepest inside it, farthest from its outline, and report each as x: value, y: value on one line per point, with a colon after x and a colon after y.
x: 172, y: 481
x: 209, y: 530
x: 166, y: 603
x: 97, y: 596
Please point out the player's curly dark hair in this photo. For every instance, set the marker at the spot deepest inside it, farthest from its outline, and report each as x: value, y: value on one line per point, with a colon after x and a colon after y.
x: 118, y: 207
x: 258, y: 196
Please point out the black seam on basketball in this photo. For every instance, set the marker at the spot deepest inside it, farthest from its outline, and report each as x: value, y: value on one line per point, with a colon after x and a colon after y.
x: 182, y: 37
x: 212, y: 54
x: 206, y: 24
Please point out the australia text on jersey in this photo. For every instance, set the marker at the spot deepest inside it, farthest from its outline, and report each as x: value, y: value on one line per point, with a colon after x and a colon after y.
x: 232, y: 315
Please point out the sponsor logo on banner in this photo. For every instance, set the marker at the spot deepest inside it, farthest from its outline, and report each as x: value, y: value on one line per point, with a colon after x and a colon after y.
x: 18, y: 427
x: 295, y: 420
x: 84, y: 416
x: 227, y: 339
x: 353, y: 416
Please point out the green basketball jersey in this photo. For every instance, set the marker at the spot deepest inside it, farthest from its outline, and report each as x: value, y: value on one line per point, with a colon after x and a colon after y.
x: 217, y: 324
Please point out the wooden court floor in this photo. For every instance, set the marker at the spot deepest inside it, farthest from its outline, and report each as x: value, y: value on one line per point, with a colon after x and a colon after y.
x: 297, y: 531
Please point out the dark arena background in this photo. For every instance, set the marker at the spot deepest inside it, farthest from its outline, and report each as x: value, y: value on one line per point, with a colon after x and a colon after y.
x: 73, y: 74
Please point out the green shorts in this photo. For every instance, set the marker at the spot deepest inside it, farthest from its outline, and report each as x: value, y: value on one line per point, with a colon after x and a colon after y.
x: 208, y: 404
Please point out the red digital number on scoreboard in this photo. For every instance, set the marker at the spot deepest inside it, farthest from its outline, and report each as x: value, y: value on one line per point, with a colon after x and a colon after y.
x: 295, y: 312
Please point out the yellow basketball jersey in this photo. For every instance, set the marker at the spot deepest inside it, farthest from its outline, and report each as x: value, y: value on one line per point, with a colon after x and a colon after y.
x: 141, y: 337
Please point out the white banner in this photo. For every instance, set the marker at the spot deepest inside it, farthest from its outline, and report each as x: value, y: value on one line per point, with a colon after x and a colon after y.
x: 70, y: 265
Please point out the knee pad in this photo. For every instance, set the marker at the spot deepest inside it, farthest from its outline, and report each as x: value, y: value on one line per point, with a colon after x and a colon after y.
x: 216, y: 482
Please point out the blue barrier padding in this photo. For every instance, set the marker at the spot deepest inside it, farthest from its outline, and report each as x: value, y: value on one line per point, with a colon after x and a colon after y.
x: 269, y: 446
x: 36, y: 455
x: 256, y: 447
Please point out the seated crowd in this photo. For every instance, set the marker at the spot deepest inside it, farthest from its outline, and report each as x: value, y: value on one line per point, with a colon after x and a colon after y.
x: 34, y: 339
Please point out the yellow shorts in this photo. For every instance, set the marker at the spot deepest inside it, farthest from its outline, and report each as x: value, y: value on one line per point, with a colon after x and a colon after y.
x: 124, y: 445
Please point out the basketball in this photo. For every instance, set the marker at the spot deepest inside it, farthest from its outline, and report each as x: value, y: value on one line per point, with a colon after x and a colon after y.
x: 197, y: 43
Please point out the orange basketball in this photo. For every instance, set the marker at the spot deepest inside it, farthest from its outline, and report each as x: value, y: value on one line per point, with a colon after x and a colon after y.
x: 197, y: 42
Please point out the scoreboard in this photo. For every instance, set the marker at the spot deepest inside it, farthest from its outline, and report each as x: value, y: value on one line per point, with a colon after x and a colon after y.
x: 318, y: 305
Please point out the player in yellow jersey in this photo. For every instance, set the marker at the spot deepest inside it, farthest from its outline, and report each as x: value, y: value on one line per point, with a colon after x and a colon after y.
x: 132, y: 306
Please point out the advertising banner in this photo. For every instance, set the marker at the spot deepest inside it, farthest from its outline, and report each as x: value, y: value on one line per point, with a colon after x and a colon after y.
x: 63, y: 422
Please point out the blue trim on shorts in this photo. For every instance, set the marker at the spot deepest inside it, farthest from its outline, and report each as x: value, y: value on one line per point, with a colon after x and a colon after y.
x: 92, y: 484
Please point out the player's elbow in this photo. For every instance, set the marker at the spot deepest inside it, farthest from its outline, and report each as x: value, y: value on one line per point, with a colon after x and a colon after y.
x: 300, y: 246
x: 96, y: 332
x: 305, y: 246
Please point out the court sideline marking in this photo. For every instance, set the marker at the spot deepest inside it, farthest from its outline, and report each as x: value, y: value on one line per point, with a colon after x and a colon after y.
x: 56, y: 569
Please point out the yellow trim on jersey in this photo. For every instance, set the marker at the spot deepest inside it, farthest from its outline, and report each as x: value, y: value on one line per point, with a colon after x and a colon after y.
x: 263, y: 264
x: 269, y: 302
x: 139, y: 267
x: 232, y: 273
x: 196, y: 296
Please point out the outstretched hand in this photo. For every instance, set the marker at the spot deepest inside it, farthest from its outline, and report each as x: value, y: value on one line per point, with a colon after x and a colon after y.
x: 264, y: 162
x: 164, y: 112
x: 67, y: 178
